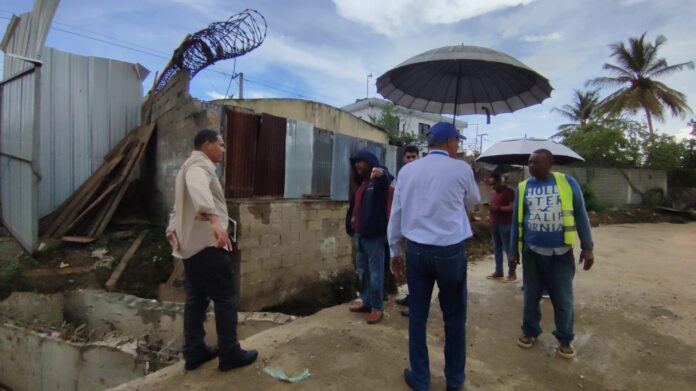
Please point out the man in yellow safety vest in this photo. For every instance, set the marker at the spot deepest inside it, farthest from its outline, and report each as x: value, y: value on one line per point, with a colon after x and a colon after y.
x: 549, y: 213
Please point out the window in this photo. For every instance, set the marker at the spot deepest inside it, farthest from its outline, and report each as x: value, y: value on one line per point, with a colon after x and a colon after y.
x: 423, y: 129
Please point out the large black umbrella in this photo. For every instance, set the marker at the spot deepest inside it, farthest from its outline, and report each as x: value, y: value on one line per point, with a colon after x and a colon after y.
x: 463, y: 80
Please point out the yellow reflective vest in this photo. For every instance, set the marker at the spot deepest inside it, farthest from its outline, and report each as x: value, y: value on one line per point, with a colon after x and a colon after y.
x: 566, y: 193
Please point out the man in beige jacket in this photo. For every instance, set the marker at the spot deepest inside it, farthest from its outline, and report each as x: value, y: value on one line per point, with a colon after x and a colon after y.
x: 197, y: 233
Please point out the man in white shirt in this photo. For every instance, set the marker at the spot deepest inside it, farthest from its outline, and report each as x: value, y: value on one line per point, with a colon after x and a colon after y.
x: 197, y: 232
x: 429, y: 211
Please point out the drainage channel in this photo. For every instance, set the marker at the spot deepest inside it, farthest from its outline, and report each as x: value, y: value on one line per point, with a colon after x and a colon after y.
x: 94, y: 340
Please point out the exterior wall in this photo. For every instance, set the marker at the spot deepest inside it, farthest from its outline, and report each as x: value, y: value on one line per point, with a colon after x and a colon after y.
x: 609, y: 184
x: 407, y: 122
x: 179, y: 116
x: 35, y: 361
x: 285, y: 246
x: 612, y: 186
x: 321, y: 115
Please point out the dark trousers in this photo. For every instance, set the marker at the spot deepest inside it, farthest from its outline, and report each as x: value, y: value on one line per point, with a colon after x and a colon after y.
x: 555, y: 273
x: 209, y: 277
x: 370, y: 268
x: 446, y: 266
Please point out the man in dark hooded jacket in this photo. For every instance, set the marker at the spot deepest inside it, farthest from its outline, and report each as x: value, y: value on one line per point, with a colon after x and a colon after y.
x: 367, y: 222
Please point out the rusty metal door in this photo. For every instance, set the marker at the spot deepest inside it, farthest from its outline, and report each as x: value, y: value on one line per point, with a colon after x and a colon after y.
x: 270, y: 157
x: 242, y: 140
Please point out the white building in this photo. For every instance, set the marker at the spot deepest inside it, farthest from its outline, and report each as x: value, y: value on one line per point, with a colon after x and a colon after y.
x: 412, y: 121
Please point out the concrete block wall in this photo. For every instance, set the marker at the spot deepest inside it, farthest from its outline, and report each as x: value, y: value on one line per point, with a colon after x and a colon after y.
x: 611, y: 185
x: 179, y: 116
x: 285, y: 246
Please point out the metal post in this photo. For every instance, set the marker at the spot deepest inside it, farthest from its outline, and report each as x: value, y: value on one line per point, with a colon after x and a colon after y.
x: 241, y: 85
x: 367, y: 86
x: 456, y: 93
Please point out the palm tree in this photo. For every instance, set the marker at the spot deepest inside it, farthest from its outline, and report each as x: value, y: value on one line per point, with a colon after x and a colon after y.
x: 638, y: 65
x: 582, y: 111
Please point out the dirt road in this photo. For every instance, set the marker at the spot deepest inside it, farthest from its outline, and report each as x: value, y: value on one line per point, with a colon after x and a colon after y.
x: 635, y: 325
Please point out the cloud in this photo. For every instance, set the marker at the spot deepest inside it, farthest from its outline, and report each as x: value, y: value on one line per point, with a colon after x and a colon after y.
x: 556, y: 36
x: 215, y: 95
x: 399, y: 17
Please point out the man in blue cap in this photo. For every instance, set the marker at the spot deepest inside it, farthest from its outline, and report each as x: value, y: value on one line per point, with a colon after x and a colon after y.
x: 366, y: 222
x: 430, y: 211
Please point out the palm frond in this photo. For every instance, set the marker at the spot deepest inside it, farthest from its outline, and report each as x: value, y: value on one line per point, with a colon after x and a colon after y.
x: 668, y: 70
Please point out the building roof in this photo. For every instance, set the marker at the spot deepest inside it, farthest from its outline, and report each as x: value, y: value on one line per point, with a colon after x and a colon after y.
x: 379, y: 103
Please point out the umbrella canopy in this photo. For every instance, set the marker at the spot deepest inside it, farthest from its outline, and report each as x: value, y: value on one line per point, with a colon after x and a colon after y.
x: 517, y: 152
x: 463, y: 80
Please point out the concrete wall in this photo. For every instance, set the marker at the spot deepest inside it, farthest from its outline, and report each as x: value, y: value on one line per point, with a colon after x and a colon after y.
x: 179, y: 117
x: 32, y: 361
x: 321, y: 115
x: 104, y: 312
x: 610, y: 185
x: 286, y: 246
x: 618, y: 187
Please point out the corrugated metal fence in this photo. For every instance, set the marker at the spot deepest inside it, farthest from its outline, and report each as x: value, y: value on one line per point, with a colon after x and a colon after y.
x: 272, y: 156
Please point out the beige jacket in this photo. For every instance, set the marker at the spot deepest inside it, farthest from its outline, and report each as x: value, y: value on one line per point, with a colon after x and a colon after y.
x: 197, y: 192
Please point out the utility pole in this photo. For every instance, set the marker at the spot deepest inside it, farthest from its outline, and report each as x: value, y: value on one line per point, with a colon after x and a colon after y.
x: 241, y: 85
x: 481, y: 136
x: 367, y: 86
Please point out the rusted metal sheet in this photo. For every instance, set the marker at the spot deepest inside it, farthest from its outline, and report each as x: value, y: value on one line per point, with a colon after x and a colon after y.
x: 321, y: 169
x: 299, y: 155
x: 270, y: 157
x: 242, y: 136
x: 343, y: 148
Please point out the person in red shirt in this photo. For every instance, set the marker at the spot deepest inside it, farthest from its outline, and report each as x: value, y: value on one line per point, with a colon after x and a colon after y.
x: 500, y: 218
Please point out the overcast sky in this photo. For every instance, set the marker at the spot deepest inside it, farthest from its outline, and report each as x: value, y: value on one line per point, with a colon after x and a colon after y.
x: 323, y: 50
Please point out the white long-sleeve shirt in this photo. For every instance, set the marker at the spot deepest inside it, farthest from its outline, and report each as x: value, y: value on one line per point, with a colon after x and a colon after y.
x: 430, y: 202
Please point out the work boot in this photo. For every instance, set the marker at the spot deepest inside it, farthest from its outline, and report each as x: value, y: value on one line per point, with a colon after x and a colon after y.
x: 201, y: 358
x: 239, y: 359
x: 566, y: 350
x: 495, y: 276
x: 359, y: 307
x: 375, y: 316
x: 512, y: 277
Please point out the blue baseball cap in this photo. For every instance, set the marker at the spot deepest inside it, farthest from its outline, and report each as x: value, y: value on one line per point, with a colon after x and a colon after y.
x: 441, y: 132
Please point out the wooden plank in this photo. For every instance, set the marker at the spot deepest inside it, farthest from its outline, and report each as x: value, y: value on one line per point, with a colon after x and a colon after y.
x: 113, y: 280
x: 78, y: 239
x: 70, y: 208
x: 144, y: 137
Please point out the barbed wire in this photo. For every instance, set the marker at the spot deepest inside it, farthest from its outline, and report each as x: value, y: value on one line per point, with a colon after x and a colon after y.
x: 235, y: 37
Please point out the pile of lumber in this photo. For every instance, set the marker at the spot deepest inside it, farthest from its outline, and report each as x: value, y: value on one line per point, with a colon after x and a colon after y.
x: 85, y: 215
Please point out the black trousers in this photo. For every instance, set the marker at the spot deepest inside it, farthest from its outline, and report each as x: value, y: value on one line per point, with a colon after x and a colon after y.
x: 209, y: 277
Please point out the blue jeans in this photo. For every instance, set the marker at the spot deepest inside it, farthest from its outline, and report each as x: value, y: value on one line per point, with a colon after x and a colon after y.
x: 501, y: 243
x: 370, y: 268
x: 426, y: 265
x: 555, y: 273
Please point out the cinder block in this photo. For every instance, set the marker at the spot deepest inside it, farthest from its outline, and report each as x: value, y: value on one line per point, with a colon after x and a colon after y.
x: 314, y: 225
x: 288, y: 238
x: 269, y: 240
x: 272, y: 262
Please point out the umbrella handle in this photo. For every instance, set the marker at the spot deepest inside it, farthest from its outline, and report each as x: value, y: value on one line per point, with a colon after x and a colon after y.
x: 488, y: 115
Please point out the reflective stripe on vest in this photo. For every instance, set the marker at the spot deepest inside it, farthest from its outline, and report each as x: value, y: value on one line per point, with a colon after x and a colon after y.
x: 566, y: 193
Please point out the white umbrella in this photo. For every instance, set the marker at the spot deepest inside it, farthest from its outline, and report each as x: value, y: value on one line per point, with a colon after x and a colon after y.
x: 517, y: 152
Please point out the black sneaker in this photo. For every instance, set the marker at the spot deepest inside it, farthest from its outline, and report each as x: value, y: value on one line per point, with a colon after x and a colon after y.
x: 241, y: 359
x: 206, y: 355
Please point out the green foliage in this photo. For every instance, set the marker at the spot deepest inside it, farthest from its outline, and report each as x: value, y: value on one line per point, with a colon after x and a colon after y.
x: 688, y: 153
x: 662, y: 152
x: 591, y: 201
x: 654, y: 197
x: 635, y: 75
x: 602, y: 145
x: 389, y: 121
